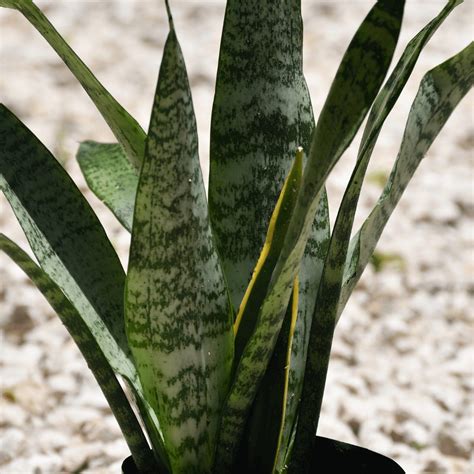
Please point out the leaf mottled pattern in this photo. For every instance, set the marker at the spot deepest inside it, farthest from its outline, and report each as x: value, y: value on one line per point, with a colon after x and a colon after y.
x: 178, y: 314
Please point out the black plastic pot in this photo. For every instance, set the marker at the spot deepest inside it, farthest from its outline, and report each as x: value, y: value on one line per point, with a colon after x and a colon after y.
x: 331, y: 456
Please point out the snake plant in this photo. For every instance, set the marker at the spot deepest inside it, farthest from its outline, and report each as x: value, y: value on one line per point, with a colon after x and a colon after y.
x: 221, y: 328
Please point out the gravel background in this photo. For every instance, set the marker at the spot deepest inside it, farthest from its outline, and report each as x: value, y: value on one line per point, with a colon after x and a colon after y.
x: 401, y: 377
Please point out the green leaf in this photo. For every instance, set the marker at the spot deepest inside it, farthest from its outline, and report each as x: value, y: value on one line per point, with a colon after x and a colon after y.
x: 440, y: 91
x: 68, y: 241
x: 258, y: 286
x: 261, y: 114
x: 111, y: 177
x: 356, y: 84
x: 125, y: 128
x: 91, y: 352
x: 178, y: 317
x: 65, y: 235
x: 264, y: 437
x: 325, y: 316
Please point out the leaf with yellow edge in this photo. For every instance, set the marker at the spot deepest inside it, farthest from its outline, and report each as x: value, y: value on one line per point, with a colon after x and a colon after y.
x: 257, y: 289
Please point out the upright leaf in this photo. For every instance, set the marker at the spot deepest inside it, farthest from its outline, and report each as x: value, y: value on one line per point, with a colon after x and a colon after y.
x: 92, y: 353
x: 325, y: 316
x: 262, y: 113
x: 356, y: 84
x: 178, y: 317
x: 440, y: 91
x: 125, y: 128
x: 111, y: 177
x: 258, y: 286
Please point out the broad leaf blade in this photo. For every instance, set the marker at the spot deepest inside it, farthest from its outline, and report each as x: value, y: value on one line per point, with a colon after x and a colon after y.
x: 440, y: 91
x: 65, y: 235
x: 179, y: 322
x: 350, y: 97
x: 69, y: 242
x: 111, y: 177
x: 261, y: 114
x: 92, y: 353
x: 325, y: 316
x: 125, y: 128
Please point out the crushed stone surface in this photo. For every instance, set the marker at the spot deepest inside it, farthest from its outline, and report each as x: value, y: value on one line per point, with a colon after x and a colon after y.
x: 401, y: 376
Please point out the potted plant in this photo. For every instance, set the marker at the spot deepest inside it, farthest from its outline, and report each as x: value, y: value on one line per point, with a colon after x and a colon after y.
x: 222, y: 326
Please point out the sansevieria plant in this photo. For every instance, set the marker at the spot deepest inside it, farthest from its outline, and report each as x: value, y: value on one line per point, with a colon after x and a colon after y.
x: 221, y: 328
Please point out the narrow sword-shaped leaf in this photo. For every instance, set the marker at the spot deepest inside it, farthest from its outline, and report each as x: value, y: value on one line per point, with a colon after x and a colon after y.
x: 324, y: 321
x: 179, y: 322
x: 357, y: 82
x: 65, y: 236
x: 440, y: 91
x: 111, y: 177
x: 258, y: 286
x: 262, y: 112
x: 93, y: 354
x: 69, y: 243
x: 125, y: 128
x: 264, y: 435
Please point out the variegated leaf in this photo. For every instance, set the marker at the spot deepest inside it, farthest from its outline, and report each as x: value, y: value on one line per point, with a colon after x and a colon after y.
x: 258, y: 286
x: 325, y: 316
x: 440, y: 91
x: 111, y: 177
x: 125, y: 128
x: 356, y: 84
x: 68, y: 241
x: 178, y: 317
x: 261, y: 114
x: 92, y: 352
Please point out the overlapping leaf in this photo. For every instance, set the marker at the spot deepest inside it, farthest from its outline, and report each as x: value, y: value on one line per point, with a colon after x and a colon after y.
x: 261, y: 114
x: 178, y: 317
x: 125, y: 128
x: 325, y: 316
x: 358, y: 79
x: 111, y: 177
x: 440, y: 91
x: 68, y: 240
x: 92, y: 353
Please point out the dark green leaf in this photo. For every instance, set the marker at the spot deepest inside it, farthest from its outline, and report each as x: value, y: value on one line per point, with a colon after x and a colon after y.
x: 92, y: 353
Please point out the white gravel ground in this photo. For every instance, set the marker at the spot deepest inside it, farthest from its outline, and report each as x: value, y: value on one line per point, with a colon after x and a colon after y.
x: 401, y: 377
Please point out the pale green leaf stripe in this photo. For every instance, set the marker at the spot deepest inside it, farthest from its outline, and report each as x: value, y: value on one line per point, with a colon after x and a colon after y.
x: 68, y: 241
x: 92, y: 353
x: 178, y: 317
x: 65, y: 235
x: 324, y: 320
x: 440, y: 91
x: 111, y: 177
x: 349, y: 99
x: 261, y: 114
x: 125, y: 128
